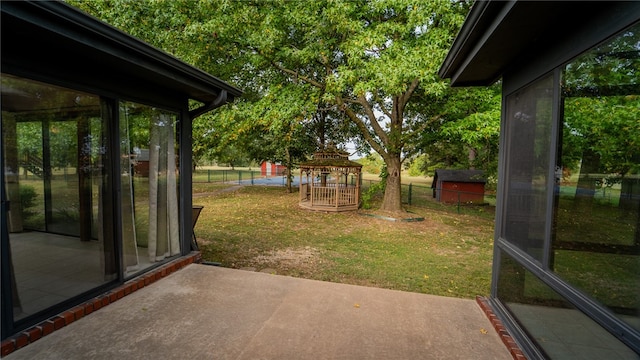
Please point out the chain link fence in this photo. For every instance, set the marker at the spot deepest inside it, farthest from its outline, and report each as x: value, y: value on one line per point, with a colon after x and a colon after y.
x: 239, y: 177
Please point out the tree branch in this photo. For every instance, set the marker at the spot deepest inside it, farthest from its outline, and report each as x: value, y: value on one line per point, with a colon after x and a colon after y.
x: 381, y: 103
x: 296, y: 75
x: 285, y: 70
x: 363, y: 128
x: 404, y: 99
x: 377, y: 129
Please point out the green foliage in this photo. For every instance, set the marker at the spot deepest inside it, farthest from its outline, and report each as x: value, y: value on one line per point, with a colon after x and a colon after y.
x: 464, y: 130
x: 363, y: 59
x: 29, y: 139
x: 608, y: 126
x: 601, y: 103
x: 372, y: 194
x: 28, y: 196
x: 418, y: 165
x: 371, y: 163
x: 63, y: 138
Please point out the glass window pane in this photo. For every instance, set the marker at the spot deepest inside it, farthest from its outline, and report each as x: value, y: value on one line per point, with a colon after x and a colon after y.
x: 596, y: 246
x: 149, y: 179
x: 55, y: 175
x: 528, y: 124
x: 29, y: 136
x: 556, y: 327
x: 61, y: 147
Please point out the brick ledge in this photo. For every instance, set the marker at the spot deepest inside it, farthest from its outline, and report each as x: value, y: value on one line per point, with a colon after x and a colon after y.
x: 508, y: 341
x: 77, y: 312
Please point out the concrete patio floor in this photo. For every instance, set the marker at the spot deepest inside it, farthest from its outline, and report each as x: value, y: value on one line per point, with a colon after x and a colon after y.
x: 207, y: 312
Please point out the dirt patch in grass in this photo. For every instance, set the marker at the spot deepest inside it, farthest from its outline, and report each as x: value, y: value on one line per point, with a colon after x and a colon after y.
x: 392, y: 215
x: 301, y: 261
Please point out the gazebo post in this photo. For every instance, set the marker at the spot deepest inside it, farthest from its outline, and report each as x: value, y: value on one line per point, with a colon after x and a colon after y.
x: 358, y: 173
x: 311, y: 191
x: 337, y: 192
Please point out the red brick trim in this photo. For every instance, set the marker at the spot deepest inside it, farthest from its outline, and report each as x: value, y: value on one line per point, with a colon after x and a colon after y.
x: 68, y: 316
x: 47, y: 328
x: 508, y: 341
x: 7, y: 347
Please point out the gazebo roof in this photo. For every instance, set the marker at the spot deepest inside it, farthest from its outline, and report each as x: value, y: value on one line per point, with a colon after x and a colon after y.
x: 330, y: 163
x: 330, y: 157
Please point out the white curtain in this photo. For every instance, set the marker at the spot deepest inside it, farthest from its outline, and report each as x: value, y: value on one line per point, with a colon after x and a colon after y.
x: 129, y: 240
x: 164, y: 237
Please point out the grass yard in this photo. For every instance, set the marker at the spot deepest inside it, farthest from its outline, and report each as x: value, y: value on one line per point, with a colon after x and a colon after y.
x: 262, y: 227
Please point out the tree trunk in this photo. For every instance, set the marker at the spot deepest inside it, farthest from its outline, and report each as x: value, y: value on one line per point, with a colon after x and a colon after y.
x: 392, y: 200
x: 287, y: 171
x: 472, y: 158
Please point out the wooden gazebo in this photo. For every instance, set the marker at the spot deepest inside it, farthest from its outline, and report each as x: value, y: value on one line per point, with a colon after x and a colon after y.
x: 330, y: 182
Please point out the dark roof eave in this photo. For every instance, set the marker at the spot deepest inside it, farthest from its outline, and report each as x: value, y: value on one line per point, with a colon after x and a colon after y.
x: 471, y: 37
x: 500, y: 34
x: 71, y: 23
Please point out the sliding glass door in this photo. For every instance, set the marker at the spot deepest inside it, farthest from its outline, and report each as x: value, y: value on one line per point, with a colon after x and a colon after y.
x: 56, y: 166
x: 92, y: 193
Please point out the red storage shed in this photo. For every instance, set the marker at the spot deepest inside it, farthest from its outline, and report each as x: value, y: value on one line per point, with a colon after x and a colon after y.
x: 464, y: 186
x: 272, y: 169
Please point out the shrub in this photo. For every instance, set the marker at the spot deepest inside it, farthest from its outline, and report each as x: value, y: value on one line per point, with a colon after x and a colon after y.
x: 28, y: 196
x: 374, y: 191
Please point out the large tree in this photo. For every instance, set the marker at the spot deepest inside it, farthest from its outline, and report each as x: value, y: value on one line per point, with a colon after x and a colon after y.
x: 366, y: 59
x: 459, y: 130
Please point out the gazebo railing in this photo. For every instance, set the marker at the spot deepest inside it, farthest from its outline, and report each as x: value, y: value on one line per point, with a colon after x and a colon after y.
x: 347, y: 196
x: 326, y: 195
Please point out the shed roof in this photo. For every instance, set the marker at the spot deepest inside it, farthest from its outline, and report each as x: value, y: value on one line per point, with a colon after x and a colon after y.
x: 77, y: 46
x: 498, y: 34
x: 466, y: 176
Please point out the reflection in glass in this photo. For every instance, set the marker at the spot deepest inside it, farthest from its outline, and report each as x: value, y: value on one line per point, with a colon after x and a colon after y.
x: 54, y: 151
x: 596, y: 246
x: 149, y: 175
x: 528, y: 122
x: 556, y: 327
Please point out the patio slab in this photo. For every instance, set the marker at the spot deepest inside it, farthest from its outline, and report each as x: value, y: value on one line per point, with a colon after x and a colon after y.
x: 207, y: 312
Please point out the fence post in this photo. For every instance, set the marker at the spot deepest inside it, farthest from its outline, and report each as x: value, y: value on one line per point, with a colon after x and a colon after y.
x: 239, y: 177
x: 208, y: 175
x: 410, y: 188
x: 251, y: 172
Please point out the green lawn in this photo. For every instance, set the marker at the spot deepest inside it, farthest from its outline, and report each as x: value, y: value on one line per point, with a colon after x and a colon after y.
x: 262, y: 227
